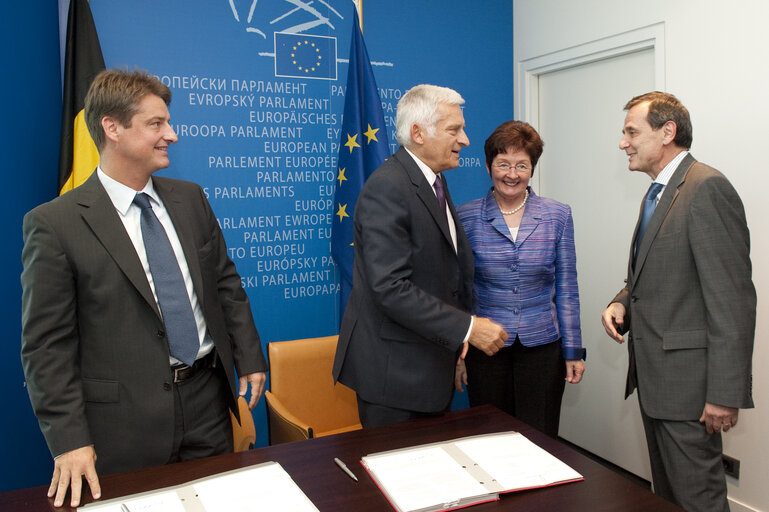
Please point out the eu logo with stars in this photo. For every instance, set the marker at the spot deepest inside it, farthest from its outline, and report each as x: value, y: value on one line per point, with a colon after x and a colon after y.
x: 305, y: 56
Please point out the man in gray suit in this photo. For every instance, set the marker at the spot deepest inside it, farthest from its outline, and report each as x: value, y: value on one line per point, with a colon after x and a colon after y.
x: 407, y: 319
x: 689, y: 304
x: 119, y: 363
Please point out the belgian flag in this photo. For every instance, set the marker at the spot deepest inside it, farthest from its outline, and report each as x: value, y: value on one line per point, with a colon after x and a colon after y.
x: 83, y: 60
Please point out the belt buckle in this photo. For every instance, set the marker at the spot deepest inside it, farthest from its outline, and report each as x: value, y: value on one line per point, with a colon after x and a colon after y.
x: 178, y: 373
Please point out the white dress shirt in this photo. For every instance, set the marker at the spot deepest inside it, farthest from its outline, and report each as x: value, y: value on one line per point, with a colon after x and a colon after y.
x: 667, y: 172
x: 130, y: 214
x: 430, y: 176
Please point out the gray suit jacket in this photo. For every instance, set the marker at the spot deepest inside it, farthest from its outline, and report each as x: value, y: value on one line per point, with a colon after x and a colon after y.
x: 94, y: 350
x: 690, y: 300
x: 407, y: 314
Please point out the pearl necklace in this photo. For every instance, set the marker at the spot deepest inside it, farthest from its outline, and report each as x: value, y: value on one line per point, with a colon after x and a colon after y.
x: 511, y: 212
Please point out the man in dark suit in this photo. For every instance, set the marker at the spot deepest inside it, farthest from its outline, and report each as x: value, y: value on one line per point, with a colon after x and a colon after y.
x: 407, y: 319
x: 689, y: 304
x: 111, y: 369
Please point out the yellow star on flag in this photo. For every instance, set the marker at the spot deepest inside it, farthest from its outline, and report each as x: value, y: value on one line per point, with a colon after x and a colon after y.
x: 351, y: 143
x: 371, y: 134
x: 342, y: 212
x: 341, y: 177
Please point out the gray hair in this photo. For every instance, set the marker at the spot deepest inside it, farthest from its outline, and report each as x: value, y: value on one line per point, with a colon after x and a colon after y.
x: 419, y: 106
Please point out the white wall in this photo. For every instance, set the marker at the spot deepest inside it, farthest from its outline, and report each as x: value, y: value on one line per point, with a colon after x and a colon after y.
x: 717, y: 62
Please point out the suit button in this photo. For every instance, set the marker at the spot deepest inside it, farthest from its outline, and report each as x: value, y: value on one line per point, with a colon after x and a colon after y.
x: 161, y: 333
x: 167, y: 386
x: 633, y: 299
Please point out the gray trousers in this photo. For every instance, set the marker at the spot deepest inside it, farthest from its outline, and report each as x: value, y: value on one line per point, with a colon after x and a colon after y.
x: 686, y: 464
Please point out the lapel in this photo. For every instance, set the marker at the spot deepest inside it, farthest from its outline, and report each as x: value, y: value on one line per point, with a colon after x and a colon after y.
x: 532, y: 216
x: 635, y: 234
x: 666, y: 202
x: 181, y: 216
x: 426, y: 194
x: 493, y: 215
x: 100, y: 215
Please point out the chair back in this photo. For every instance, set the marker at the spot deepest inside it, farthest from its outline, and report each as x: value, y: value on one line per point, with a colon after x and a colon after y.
x: 301, y: 380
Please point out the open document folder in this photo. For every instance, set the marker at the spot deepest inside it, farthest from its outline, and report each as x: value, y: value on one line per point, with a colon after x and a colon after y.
x: 463, y: 472
x: 264, y: 487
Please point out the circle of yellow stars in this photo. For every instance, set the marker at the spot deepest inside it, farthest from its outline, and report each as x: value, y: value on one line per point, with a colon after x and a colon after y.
x: 352, y: 143
x: 318, y: 57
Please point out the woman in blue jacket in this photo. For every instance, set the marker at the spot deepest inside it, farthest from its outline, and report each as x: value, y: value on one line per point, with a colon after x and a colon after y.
x: 526, y: 280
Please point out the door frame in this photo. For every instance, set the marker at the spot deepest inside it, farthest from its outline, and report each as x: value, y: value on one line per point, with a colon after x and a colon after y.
x: 527, y: 71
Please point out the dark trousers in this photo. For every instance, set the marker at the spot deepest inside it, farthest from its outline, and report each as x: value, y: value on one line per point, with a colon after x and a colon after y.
x: 526, y: 382
x: 202, y: 420
x: 374, y: 415
x: 686, y: 464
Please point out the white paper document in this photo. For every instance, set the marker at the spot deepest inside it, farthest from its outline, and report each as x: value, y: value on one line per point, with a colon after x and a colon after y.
x: 419, y: 478
x: 155, y: 502
x: 261, y: 488
x: 515, y: 462
x: 463, y: 472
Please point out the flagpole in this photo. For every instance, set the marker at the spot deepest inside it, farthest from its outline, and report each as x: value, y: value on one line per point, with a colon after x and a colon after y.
x: 359, y: 7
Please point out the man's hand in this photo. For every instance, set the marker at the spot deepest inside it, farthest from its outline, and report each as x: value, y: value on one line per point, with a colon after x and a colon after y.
x: 460, y: 375
x: 612, y: 318
x: 256, y: 380
x: 68, y: 471
x: 575, y: 368
x: 487, y: 336
x: 718, y: 417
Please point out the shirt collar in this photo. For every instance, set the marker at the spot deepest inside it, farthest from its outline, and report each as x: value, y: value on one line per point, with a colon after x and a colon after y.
x: 122, y: 196
x: 664, y: 176
x: 430, y: 175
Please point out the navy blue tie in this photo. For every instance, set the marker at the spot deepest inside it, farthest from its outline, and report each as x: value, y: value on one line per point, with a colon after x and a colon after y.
x: 181, y: 329
x: 650, y: 203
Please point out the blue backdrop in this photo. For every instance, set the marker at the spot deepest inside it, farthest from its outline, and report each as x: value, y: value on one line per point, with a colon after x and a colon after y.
x: 259, y: 130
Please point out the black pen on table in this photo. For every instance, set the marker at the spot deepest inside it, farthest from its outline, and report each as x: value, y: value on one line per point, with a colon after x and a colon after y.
x: 345, y: 469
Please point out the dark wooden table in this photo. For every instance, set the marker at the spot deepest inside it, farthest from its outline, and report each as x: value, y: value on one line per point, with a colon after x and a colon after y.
x: 311, y: 464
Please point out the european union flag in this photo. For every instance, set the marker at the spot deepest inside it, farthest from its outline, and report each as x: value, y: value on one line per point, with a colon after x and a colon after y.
x: 363, y: 148
x: 305, y: 56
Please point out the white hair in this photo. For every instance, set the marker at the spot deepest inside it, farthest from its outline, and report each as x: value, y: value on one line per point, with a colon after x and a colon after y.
x: 419, y: 106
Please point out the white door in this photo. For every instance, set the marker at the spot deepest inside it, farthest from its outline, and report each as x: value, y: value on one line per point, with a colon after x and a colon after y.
x: 580, y: 119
